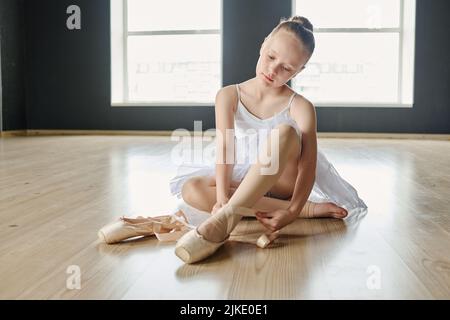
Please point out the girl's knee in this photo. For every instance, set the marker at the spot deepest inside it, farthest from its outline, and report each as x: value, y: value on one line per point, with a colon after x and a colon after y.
x: 191, y: 187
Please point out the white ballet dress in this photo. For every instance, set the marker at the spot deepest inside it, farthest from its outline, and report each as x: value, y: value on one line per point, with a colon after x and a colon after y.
x: 250, y: 133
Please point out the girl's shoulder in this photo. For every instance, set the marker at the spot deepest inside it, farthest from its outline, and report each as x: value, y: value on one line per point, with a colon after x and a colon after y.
x: 300, y: 98
x: 228, y: 96
x: 292, y: 91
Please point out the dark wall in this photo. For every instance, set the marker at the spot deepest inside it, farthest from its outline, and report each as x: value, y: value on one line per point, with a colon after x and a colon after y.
x: 12, y: 35
x: 69, y: 78
x: 68, y: 72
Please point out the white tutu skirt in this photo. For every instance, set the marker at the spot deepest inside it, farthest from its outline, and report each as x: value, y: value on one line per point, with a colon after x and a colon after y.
x: 329, y: 186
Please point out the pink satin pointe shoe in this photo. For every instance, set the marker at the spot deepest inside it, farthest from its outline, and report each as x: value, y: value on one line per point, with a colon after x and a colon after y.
x: 193, y: 247
x: 266, y: 239
x: 165, y: 228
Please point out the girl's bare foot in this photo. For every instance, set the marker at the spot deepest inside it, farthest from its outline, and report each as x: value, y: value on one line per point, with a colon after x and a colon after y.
x: 322, y: 210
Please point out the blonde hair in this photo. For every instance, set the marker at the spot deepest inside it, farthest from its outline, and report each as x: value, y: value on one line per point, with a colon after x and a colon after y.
x: 300, y: 27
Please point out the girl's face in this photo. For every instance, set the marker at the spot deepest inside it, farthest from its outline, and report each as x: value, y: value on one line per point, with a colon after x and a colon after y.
x: 282, y: 57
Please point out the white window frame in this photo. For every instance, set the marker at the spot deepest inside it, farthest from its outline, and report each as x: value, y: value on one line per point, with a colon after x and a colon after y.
x: 121, y: 39
x: 406, y: 57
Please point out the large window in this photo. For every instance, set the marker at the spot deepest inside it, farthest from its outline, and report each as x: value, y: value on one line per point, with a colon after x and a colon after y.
x: 364, y: 52
x: 165, y: 52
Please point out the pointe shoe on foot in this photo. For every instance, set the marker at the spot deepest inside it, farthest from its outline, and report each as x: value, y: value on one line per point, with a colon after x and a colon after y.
x: 193, y: 247
x: 165, y: 228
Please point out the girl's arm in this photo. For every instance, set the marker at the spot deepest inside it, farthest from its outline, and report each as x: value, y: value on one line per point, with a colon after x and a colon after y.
x: 305, y: 115
x: 224, y: 109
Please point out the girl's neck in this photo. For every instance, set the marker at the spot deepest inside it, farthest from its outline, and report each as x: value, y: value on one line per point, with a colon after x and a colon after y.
x: 261, y: 92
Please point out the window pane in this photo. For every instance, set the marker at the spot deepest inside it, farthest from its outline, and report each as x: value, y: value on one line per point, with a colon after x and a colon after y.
x: 350, y: 13
x: 151, y: 15
x: 352, y: 67
x: 174, y: 68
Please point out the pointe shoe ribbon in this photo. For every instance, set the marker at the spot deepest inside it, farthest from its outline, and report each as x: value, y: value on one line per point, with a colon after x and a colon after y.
x: 193, y: 247
x: 166, y: 228
x: 172, y: 235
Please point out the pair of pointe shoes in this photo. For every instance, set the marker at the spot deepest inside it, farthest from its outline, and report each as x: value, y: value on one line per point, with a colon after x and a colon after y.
x: 193, y: 247
x: 166, y: 228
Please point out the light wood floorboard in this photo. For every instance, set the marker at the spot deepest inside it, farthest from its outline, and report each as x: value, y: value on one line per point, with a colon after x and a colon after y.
x: 57, y: 191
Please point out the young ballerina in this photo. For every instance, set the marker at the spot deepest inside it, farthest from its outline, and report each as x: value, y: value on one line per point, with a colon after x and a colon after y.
x: 305, y: 184
x: 303, y: 172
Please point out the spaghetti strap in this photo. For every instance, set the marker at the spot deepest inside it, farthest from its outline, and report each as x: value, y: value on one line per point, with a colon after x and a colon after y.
x: 292, y: 99
x: 238, y: 93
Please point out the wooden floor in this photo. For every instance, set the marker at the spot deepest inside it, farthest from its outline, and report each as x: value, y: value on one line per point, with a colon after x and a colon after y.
x: 56, y: 192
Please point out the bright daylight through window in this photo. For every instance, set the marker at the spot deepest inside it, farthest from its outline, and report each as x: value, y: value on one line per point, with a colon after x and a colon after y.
x: 165, y: 59
x: 364, y: 52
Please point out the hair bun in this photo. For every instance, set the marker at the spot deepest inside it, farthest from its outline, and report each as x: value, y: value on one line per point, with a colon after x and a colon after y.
x: 302, y: 21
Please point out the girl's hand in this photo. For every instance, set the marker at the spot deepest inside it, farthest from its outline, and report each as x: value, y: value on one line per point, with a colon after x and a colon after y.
x: 275, y: 220
x: 220, y: 203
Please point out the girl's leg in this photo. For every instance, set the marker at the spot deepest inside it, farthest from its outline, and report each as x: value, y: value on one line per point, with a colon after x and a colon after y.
x: 255, y: 184
x: 200, y: 192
